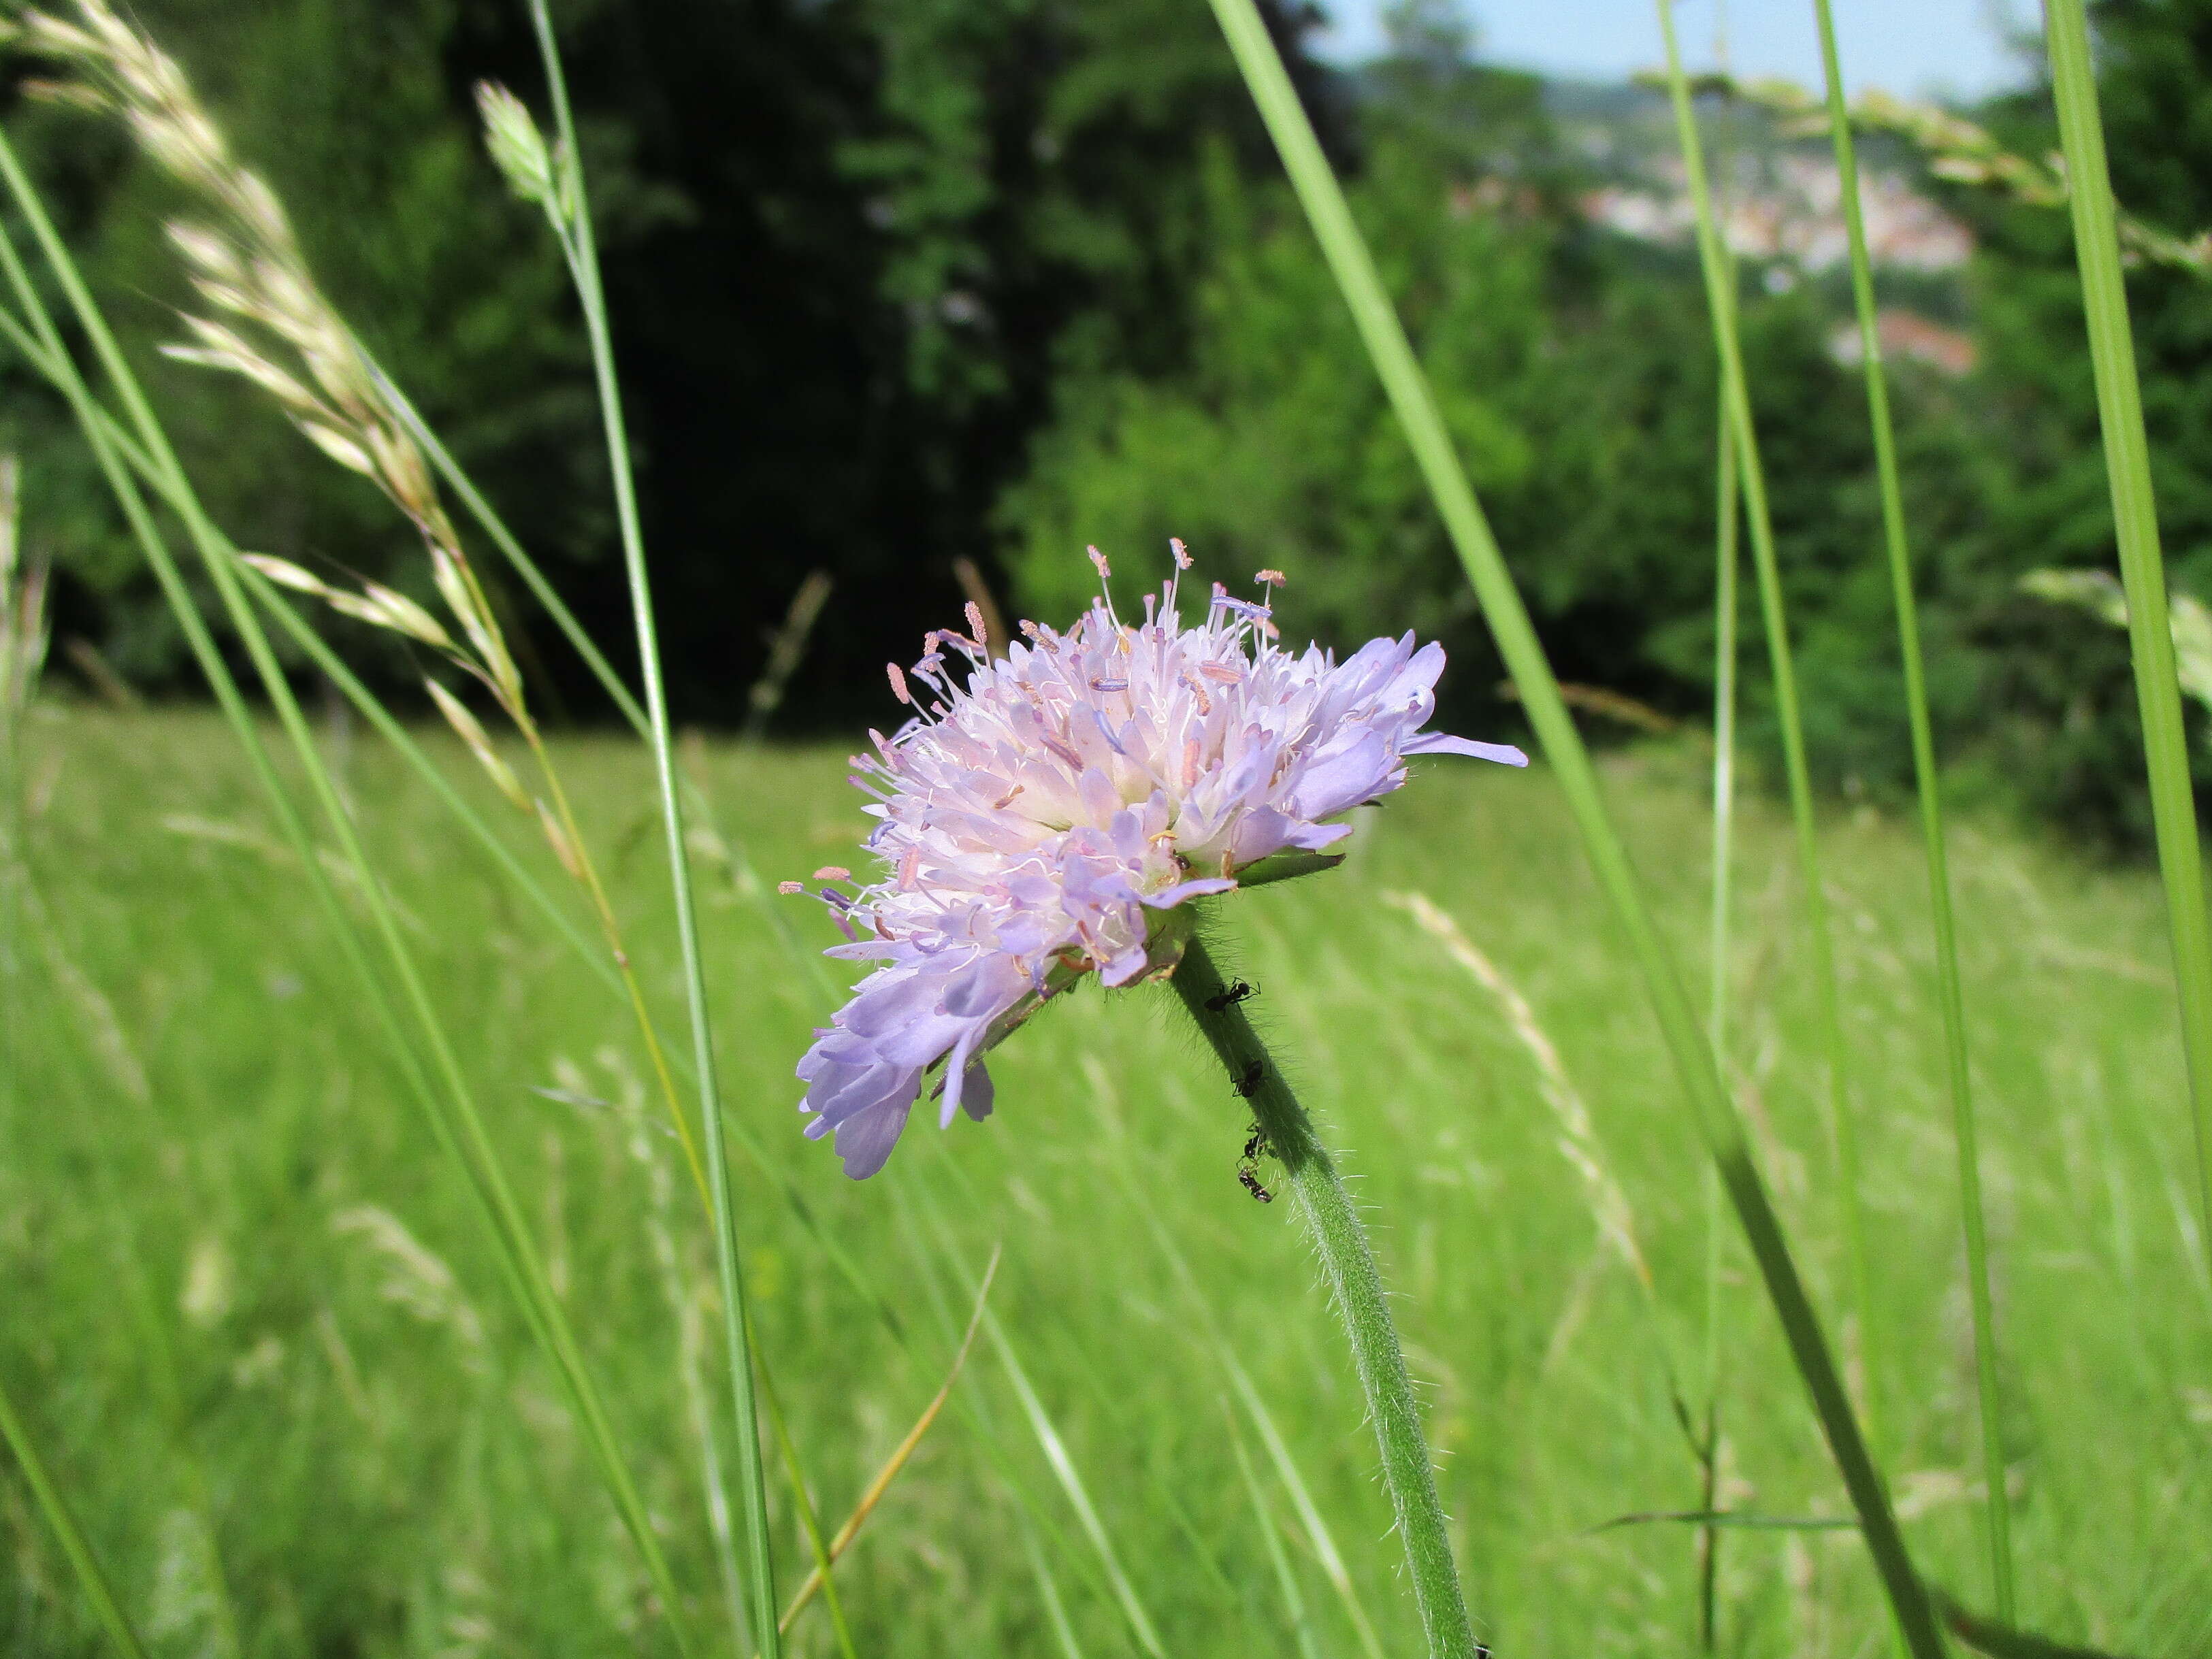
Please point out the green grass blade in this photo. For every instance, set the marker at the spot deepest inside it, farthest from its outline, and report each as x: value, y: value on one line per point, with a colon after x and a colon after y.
x: 2143, y: 570
x: 1055, y: 1610
x: 1310, y: 1515
x: 75, y: 1545
x: 584, y: 261
x: 1726, y: 569
x: 453, y: 1113
x: 1286, y: 1581
x: 1949, y: 996
x: 1720, y: 299
x: 1071, y: 1483
x: 1687, y: 1039
x: 1728, y: 562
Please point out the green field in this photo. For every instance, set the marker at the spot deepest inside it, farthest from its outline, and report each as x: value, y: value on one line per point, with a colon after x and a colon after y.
x: 254, y: 1324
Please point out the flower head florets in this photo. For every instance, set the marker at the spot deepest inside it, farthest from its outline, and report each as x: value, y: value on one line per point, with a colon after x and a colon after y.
x: 1043, y: 814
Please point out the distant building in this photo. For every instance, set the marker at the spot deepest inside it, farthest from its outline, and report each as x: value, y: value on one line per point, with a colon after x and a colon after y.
x: 1790, y: 210
x: 1907, y: 334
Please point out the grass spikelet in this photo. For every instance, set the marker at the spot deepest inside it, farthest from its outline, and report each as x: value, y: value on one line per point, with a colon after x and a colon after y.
x: 1578, y: 1143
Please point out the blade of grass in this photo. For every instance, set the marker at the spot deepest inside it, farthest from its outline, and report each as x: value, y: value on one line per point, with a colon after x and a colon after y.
x: 90, y: 1576
x: 1056, y: 1454
x: 1949, y: 996
x: 1285, y: 1580
x: 1055, y: 1610
x: 583, y: 258
x: 452, y: 1114
x: 898, y: 1461
x: 2142, y: 569
x: 1686, y: 1041
x: 809, y: 1522
x: 1720, y: 299
x: 1727, y: 568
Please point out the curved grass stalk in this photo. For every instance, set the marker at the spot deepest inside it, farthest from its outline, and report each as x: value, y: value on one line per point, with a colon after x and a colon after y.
x: 1949, y: 996
x: 90, y: 1576
x: 2143, y: 570
x: 452, y: 1113
x: 1355, y: 1286
x: 577, y: 241
x: 809, y: 1522
x: 1686, y: 1041
x: 1118, y: 1584
x: 818, y: 1579
x: 1720, y: 299
x: 1727, y: 568
x: 1286, y: 1581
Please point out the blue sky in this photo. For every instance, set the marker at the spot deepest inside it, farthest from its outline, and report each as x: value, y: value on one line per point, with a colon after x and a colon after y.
x: 1910, y: 47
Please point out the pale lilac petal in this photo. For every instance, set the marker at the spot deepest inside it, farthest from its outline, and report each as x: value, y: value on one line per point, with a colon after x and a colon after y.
x: 1435, y: 743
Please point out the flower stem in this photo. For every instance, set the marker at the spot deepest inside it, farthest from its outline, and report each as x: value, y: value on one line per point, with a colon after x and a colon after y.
x: 1355, y: 1285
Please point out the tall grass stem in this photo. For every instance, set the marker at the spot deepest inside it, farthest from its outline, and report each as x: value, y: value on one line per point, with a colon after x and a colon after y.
x: 1949, y: 996
x: 1719, y: 270
x: 91, y: 1576
x: 584, y: 261
x: 1348, y: 1264
x: 2143, y: 570
x: 1727, y: 560
x: 1687, y: 1039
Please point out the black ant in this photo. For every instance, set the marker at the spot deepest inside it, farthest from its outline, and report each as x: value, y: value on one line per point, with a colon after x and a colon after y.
x: 1255, y: 1148
x: 1248, y: 1085
x: 1236, y: 993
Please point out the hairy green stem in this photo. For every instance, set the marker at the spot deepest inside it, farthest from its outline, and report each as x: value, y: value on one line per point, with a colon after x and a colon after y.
x: 1355, y: 1286
x: 583, y: 256
x: 2142, y: 569
x: 1949, y: 996
x: 1715, y: 1113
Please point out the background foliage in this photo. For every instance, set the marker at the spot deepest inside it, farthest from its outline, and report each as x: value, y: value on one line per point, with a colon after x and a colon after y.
x: 901, y: 282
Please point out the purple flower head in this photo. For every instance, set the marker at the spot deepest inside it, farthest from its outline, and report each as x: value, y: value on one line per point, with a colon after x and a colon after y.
x: 1042, y: 816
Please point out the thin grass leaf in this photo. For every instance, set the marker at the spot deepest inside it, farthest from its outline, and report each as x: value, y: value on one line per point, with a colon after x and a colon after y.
x: 1950, y: 999
x: 898, y: 1461
x: 2000, y: 1641
x: 1286, y: 1580
x: 1055, y: 1609
x: 91, y: 1577
x: 809, y: 1522
x: 2142, y: 568
x: 583, y: 258
x: 1729, y: 1518
x: 1719, y: 270
x: 1686, y: 1041
x: 1726, y: 569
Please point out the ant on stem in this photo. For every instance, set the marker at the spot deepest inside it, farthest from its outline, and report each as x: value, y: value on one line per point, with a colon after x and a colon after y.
x: 1255, y: 1148
x: 1238, y: 991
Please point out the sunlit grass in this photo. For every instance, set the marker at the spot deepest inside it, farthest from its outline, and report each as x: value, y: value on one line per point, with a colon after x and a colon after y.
x: 377, y: 1478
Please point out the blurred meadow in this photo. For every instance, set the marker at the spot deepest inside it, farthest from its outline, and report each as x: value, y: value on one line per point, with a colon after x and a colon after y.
x: 213, y: 1175
x: 407, y: 1245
